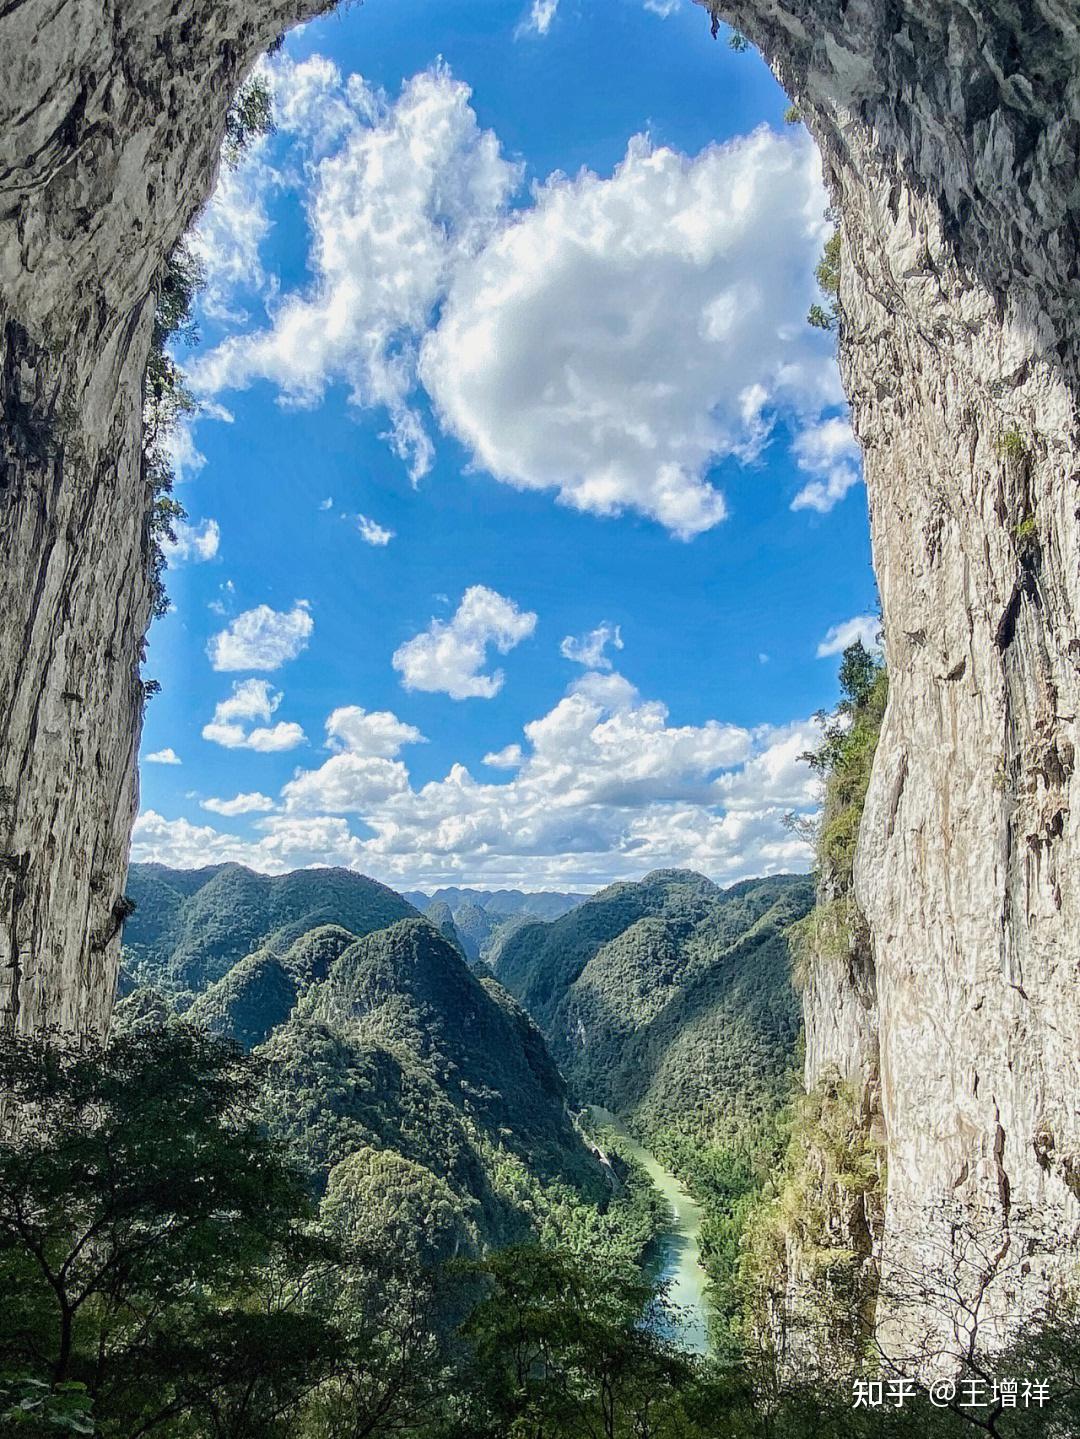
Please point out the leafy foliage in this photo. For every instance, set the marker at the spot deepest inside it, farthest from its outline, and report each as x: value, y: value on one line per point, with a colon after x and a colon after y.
x: 166, y: 401
x: 827, y: 274
x: 250, y: 115
x: 844, y: 759
x: 135, y: 1185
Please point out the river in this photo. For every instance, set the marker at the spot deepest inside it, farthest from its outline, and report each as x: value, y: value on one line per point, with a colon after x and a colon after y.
x: 678, y: 1263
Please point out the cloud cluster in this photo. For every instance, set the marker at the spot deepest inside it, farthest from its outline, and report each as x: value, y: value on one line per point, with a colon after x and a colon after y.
x: 254, y: 803
x: 399, y: 193
x: 866, y: 628
x: 541, y: 14
x: 163, y: 756
x: 613, y: 342
x: 192, y: 542
x: 364, y: 772
x: 830, y: 452
x: 603, y: 785
x: 619, y: 338
x: 252, y: 700
x: 450, y: 655
x: 373, y: 533
x: 262, y: 638
x: 589, y: 650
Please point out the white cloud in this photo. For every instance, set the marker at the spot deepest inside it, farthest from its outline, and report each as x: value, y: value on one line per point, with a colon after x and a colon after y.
x: 183, y: 455
x: 860, y: 627
x: 252, y: 700
x: 399, y: 194
x: 327, y: 504
x: 509, y: 757
x: 622, y: 336
x: 449, y: 656
x: 372, y: 533
x: 230, y: 232
x: 262, y: 638
x: 363, y: 772
x: 603, y: 786
x: 163, y: 756
x: 254, y: 803
x: 663, y: 8
x: 538, y: 21
x: 193, y: 542
x: 291, y: 844
x: 370, y: 732
x: 830, y: 451
x: 222, y: 605
x: 588, y: 650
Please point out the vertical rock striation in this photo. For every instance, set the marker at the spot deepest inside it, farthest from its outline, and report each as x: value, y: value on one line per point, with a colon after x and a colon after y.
x: 950, y: 136
x: 111, y: 118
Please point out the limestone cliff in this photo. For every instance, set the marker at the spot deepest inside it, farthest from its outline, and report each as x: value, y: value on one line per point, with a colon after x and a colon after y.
x: 949, y: 130
x: 111, y: 118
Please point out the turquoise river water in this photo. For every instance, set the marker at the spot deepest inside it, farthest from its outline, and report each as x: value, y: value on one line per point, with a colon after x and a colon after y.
x: 679, y: 1260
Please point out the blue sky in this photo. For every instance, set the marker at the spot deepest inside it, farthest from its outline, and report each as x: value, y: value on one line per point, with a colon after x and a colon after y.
x: 524, y: 517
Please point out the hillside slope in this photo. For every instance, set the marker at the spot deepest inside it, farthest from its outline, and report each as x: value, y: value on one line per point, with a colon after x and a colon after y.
x: 668, y: 1001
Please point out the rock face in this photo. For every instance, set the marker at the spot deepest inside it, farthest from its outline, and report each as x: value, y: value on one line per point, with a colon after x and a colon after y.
x: 949, y: 131
x: 111, y: 118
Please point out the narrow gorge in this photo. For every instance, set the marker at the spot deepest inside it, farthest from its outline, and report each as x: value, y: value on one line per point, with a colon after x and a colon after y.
x: 950, y: 137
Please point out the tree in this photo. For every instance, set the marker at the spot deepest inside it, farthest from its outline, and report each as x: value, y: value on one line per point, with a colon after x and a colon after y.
x: 563, y: 1347
x: 140, y: 1204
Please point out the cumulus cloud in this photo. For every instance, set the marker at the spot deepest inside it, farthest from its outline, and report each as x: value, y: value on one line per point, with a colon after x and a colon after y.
x: 622, y: 336
x: 291, y: 844
x: 829, y: 451
x: 163, y: 756
x: 589, y: 649
x: 254, y: 803
x: 398, y: 194
x: 252, y: 700
x: 372, y: 533
x: 866, y: 628
x: 363, y: 771
x: 449, y: 656
x: 602, y: 786
x: 230, y: 233
x: 192, y: 542
x: 262, y: 638
x: 663, y: 8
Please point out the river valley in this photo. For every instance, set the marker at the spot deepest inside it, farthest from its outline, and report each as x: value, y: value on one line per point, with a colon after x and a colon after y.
x: 679, y: 1258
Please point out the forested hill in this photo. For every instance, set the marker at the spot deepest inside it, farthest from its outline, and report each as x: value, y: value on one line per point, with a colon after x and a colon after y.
x: 190, y: 927
x: 389, y: 1068
x: 669, y: 1000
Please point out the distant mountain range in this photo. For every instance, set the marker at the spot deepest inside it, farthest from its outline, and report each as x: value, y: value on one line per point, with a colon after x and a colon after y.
x: 484, y: 918
x: 539, y: 904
